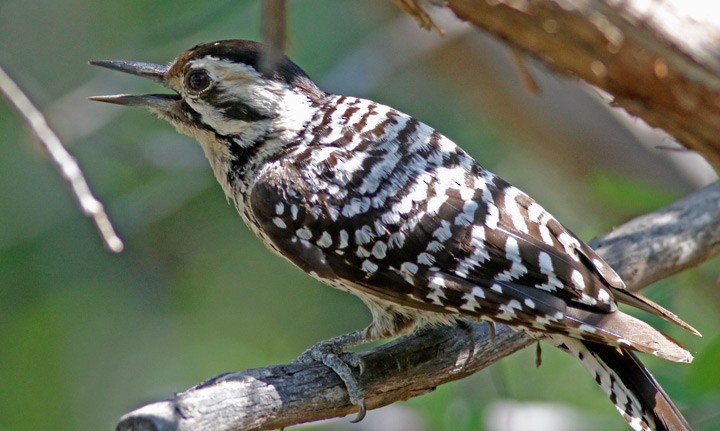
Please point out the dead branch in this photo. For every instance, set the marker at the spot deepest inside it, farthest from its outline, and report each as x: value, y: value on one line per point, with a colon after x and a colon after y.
x: 642, y: 251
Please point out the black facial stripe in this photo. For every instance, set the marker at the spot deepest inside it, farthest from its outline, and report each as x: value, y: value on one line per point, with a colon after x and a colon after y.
x: 242, y: 155
x: 195, y: 118
x: 197, y: 121
x: 236, y: 110
x: 232, y: 109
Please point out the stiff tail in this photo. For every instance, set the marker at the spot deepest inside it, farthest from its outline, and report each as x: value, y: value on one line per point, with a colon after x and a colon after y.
x: 630, y: 386
x: 638, y: 301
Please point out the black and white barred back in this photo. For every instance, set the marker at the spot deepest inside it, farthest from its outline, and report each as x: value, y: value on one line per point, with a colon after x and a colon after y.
x: 378, y: 204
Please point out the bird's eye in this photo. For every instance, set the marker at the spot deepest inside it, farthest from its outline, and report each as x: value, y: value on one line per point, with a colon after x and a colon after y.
x: 197, y: 81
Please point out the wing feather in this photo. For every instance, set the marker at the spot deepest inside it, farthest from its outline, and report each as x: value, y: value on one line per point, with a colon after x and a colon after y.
x: 451, y: 239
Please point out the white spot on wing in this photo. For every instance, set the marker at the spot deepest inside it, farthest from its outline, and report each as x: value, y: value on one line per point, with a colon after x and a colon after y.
x: 545, y: 234
x: 604, y: 296
x: 343, y: 239
x: 409, y: 268
x: 508, y: 310
x: 512, y: 253
x: 425, y: 259
x: 577, y: 279
x: 279, y: 222
x: 443, y: 233
x: 379, y: 250
x: 534, y: 212
x: 570, y: 244
x: 546, y: 268
x: 304, y: 233
x: 587, y: 328
x: 325, y: 240
x: 434, y: 246
x: 467, y: 217
x: 436, y: 285
x: 471, y: 298
x: 513, y: 209
x: 362, y: 252
x: 396, y: 240
x: 369, y: 266
x: 404, y: 206
x: 587, y: 299
x: 434, y: 203
x: 493, y: 216
x: 363, y: 235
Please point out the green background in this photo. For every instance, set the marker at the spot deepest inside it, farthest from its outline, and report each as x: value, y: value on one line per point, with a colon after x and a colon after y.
x: 86, y: 335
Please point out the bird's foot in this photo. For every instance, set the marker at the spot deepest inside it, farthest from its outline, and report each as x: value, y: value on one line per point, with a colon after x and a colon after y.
x: 331, y: 353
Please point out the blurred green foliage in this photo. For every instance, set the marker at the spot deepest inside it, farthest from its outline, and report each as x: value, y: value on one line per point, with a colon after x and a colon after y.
x: 86, y: 335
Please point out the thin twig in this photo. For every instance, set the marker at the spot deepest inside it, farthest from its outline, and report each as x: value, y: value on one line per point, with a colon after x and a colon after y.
x: 66, y: 164
x: 525, y: 74
x: 416, y: 10
x: 273, y: 29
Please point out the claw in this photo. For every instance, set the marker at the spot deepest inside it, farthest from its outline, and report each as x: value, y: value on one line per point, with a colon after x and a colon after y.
x: 491, y: 324
x: 362, y: 410
x: 354, y: 361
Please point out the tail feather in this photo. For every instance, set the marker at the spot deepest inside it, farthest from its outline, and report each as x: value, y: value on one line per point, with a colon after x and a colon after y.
x: 624, y: 330
x: 638, y: 301
x: 632, y: 389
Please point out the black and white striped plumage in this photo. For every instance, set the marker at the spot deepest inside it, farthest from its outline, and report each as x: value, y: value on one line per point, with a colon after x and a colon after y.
x: 378, y: 204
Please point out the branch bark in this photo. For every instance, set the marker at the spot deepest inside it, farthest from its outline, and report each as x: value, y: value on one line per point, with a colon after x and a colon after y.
x: 648, y: 248
x: 656, y: 59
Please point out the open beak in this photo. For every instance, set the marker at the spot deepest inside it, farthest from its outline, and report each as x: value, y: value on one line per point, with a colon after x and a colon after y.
x: 156, y: 72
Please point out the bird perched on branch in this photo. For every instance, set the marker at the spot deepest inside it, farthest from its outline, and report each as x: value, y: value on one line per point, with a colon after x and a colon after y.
x: 373, y: 202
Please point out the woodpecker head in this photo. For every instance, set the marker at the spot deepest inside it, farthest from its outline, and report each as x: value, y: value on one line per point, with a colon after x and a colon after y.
x: 223, y: 99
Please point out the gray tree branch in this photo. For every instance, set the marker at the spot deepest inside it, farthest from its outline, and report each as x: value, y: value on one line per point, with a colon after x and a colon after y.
x: 643, y: 250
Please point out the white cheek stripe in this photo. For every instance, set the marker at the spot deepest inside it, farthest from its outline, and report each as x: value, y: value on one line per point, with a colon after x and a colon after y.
x: 275, y: 99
